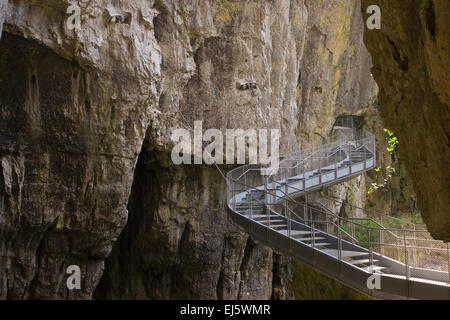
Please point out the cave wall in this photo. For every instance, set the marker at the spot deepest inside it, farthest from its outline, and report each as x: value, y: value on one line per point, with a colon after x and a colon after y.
x: 77, y: 105
x: 411, y: 63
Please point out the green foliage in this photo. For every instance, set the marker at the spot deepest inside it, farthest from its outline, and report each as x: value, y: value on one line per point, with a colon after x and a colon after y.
x: 386, y: 185
x: 416, y: 218
x: 391, y: 140
x: 393, y: 143
x: 361, y: 230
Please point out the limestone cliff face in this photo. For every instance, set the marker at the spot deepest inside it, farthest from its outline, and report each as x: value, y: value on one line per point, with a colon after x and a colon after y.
x: 411, y: 66
x: 77, y: 105
x: 310, y: 66
x: 74, y: 109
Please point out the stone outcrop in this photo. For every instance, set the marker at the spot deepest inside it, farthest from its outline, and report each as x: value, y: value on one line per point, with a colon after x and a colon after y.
x: 74, y: 109
x: 411, y: 63
x: 77, y: 105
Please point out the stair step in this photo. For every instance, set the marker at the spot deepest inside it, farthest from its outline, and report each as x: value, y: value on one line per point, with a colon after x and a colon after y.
x: 279, y: 227
x: 256, y: 194
x: 310, y: 239
x: 248, y: 207
x: 322, y: 244
x: 253, y: 212
x: 254, y: 201
x: 346, y: 253
x: 374, y: 268
x: 296, y: 233
x: 261, y: 216
x: 361, y: 261
x: 272, y: 222
x: 247, y: 204
x: 254, y: 197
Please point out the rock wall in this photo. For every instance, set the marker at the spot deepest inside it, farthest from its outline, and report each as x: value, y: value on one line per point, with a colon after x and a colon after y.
x: 411, y: 62
x: 74, y: 109
x: 77, y: 105
x: 310, y: 66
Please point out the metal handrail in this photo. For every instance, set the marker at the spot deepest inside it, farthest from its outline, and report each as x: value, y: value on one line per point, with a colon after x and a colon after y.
x: 344, y: 141
x: 273, y: 204
x: 311, y: 156
x: 359, y: 225
x: 372, y: 211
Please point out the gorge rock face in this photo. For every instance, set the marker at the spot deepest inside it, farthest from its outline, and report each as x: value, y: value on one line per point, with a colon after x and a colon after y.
x: 77, y: 105
x: 411, y: 56
x: 74, y: 109
x: 310, y: 66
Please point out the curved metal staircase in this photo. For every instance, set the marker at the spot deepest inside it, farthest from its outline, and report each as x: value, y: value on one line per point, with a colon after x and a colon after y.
x: 374, y: 253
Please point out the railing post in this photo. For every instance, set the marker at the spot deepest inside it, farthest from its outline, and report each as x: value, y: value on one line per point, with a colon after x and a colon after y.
x: 304, y: 178
x: 305, y: 210
x: 370, y: 254
x: 319, y: 160
x: 406, y: 256
x: 339, y: 240
x: 365, y: 159
x: 381, y: 237
x: 374, y: 152
x: 228, y: 191
x: 286, y: 207
x: 408, y: 274
x: 267, y: 207
x: 327, y: 222
x: 415, y: 246
x: 335, y: 171
x: 248, y: 194
x: 353, y: 226
x: 320, y: 173
x: 311, y: 228
x: 349, y: 159
x: 448, y: 262
x: 233, y: 196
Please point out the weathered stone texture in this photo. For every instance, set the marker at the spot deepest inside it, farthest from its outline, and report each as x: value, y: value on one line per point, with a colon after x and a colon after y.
x: 76, y: 106
x: 411, y: 56
x: 179, y: 242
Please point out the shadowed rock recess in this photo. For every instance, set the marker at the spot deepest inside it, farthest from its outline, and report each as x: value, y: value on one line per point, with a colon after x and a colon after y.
x: 411, y: 56
x: 86, y: 118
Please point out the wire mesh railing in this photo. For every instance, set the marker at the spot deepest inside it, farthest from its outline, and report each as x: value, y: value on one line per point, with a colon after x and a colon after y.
x: 382, y: 236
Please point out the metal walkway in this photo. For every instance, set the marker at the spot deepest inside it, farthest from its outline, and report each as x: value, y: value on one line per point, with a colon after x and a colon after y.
x: 371, y: 252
